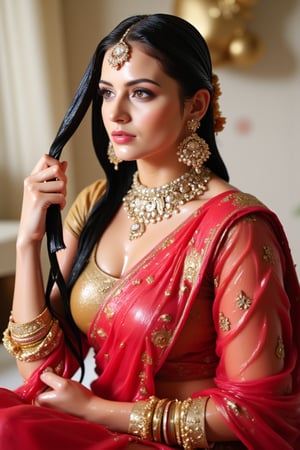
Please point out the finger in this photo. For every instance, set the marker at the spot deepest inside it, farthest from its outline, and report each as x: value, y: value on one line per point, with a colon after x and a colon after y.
x: 52, y: 380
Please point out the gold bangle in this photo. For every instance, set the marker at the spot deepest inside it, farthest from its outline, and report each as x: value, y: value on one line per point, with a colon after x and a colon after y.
x: 193, y: 426
x: 157, y: 420
x: 141, y: 418
x: 166, y: 424
x: 34, y: 351
x: 24, y: 330
x: 177, y: 414
x: 34, y: 338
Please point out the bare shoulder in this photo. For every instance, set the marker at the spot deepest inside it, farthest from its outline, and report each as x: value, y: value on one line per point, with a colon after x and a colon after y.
x: 217, y: 186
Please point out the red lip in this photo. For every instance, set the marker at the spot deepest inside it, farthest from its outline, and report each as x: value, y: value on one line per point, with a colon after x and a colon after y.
x: 121, y: 137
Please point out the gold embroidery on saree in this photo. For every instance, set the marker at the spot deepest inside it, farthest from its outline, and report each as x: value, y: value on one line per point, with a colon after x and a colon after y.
x: 242, y: 301
x: 268, y: 254
x: 161, y: 338
x: 242, y: 199
x: 166, y: 318
x: 150, y: 279
x: 192, y: 265
x: 279, y: 351
x: 224, y: 322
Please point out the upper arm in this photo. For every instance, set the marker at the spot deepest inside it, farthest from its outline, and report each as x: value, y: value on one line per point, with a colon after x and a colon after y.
x: 251, y: 308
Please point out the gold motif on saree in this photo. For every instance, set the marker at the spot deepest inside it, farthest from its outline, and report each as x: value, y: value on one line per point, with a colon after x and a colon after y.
x: 101, y: 333
x: 224, y: 322
x: 268, y: 254
x: 279, y: 351
x: 161, y: 338
x: 150, y: 279
x: 233, y: 407
x: 168, y: 293
x: 242, y: 199
x: 192, y: 265
x: 216, y: 281
x: 242, y: 301
x: 166, y: 318
x: 147, y: 359
x: 109, y: 312
x: 136, y: 282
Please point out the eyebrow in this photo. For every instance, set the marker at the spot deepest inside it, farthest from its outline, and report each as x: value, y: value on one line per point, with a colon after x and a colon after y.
x: 133, y: 82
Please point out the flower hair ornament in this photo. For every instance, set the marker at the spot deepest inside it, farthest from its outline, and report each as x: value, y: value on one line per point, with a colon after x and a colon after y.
x: 120, y: 53
x: 219, y: 121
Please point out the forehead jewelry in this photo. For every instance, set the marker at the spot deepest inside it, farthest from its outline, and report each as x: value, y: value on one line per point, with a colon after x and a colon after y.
x: 120, y: 53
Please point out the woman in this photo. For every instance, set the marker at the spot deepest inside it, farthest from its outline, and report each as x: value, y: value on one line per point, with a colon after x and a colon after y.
x: 183, y: 285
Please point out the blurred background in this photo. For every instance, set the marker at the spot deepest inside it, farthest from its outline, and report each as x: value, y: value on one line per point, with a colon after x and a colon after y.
x: 45, y: 47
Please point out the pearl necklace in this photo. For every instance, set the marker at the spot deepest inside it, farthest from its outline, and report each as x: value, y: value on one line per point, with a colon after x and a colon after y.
x: 151, y: 205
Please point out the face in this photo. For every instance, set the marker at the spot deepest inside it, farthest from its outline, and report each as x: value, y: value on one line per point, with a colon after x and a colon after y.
x: 142, y: 110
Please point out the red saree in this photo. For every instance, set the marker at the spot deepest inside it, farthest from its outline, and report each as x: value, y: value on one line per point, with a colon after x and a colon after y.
x: 144, y: 315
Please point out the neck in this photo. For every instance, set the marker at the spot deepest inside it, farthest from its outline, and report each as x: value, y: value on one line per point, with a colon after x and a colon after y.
x: 152, y: 175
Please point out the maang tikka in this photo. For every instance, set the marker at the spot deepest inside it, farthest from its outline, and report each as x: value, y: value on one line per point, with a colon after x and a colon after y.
x: 120, y: 53
x: 112, y: 157
x: 193, y: 150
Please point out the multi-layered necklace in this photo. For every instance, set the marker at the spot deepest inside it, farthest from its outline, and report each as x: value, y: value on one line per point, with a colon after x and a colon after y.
x: 145, y: 205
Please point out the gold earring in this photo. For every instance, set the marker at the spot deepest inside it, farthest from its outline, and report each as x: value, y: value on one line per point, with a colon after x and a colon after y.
x: 112, y: 157
x: 193, y: 150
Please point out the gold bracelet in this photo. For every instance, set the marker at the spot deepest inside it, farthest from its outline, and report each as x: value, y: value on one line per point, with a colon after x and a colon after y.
x: 34, y: 351
x: 157, y: 420
x: 177, y: 414
x: 193, y: 426
x: 24, y: 330
x: 140, y: 420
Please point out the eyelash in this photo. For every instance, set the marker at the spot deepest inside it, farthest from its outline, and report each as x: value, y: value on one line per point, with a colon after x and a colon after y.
x: 140, y: 93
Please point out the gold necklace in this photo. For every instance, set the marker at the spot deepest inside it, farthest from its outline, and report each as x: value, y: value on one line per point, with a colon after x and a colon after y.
x: 146, y: 205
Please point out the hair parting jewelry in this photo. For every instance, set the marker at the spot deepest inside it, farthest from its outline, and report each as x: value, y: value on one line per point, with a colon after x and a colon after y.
x: 193, y: 150
x: 171, y: 422
x: 120, y: 53
x: 151, y: 205
x: 112, y: 157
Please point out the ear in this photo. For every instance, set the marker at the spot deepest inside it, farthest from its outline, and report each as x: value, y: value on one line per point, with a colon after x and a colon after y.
x: 199, y: 104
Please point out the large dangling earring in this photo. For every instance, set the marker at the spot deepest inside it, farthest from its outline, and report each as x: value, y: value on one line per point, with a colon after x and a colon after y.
x: 112, y: 157
x: 193, y: 150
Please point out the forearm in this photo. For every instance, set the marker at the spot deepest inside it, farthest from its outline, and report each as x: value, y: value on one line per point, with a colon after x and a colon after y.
x: 29, y: 298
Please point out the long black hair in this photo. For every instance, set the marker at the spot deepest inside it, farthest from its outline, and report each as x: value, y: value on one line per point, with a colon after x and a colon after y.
x: 184, y: 56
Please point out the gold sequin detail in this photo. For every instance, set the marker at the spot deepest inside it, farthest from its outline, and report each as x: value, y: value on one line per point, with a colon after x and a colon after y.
x: 279, y: 351
x: 146, y: 359
x: 136, y: 282
x: 109, y: 312
x: 166, y: 318
x: 161, y: 338
x: 224, y: 322
x: 233, y: 407
x: 192, y: 265
x: 242, y: 301
x: 150, y: 279
x: 101, y: 333
x: 268, y: 254
x: 216, y: 281
x: 167, y: 293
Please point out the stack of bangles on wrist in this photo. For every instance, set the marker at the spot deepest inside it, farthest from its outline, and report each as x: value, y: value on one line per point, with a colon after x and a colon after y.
x: 33, y: 340
x: 172, y: 422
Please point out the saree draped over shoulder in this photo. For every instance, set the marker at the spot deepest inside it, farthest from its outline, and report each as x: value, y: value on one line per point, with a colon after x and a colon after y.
x: 136, y: 328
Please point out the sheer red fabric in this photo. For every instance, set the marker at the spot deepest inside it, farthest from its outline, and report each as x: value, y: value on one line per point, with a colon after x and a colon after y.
x: 235, y: 246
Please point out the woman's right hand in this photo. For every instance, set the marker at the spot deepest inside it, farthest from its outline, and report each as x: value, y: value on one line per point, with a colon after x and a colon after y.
x: 45, y: 186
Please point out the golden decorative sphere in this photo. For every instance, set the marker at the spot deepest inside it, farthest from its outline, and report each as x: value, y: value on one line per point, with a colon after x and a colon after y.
x: 245, y: 49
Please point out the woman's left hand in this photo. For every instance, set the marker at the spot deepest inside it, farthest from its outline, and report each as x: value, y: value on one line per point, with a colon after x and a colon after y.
x: 64, y: 395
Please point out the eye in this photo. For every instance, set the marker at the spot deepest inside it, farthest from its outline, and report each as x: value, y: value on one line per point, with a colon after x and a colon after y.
x: 142, y: 93
x: 106, y: 93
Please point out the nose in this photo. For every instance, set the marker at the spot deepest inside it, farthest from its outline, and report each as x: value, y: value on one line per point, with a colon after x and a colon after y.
x: 119, y: 111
